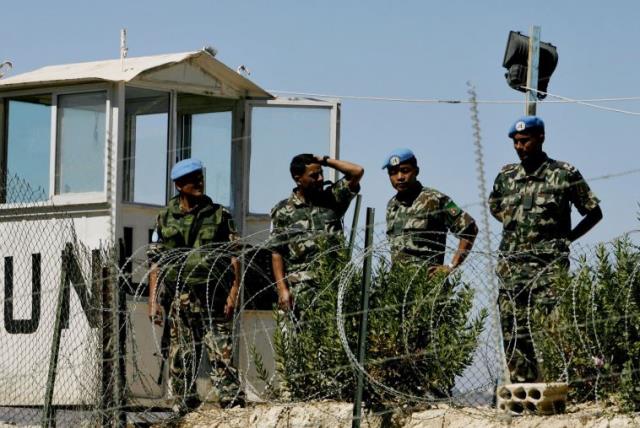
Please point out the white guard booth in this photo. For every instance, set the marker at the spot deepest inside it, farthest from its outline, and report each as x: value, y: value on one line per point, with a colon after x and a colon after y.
x: 85, y: 154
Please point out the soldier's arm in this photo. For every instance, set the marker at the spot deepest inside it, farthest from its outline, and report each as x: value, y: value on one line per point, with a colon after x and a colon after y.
x: 351, y: 171
x: 495, y: 200
x: 154, y: 254
x: 232, y: 299
x: 285, y: 298
x: 586, y: 203
x: 279, y: 241
x: 586, y: 224
x: 230, y: 233
x: 154, y: 309
x: 465, y: 245
x: 463, y: 226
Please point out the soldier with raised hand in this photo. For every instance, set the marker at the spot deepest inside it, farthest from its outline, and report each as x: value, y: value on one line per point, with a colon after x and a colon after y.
x: 301, y: 221
x: 533, y: 199
x: 193, y: 268
x: 419, y: 218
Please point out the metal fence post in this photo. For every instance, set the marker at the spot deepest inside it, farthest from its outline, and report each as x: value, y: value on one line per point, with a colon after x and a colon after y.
x: 120, y: 334
x: 364, y: 305
x: 108, y: 339
x: 354, y: 224
x: 48, y: 411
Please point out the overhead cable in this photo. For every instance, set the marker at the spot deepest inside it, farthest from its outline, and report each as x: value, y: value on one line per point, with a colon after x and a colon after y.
x: 587, y: 103
x: 560, y: 100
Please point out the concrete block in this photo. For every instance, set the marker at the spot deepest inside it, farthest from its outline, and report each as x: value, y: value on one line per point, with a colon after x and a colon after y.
x: 533, y: 398
x: 256, y: 331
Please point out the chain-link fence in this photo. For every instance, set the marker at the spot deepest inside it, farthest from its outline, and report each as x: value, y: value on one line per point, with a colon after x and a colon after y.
x: 56, y: 362
x: 79, y: 347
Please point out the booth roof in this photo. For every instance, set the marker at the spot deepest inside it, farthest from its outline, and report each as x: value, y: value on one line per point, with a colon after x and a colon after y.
x: 135, y: 68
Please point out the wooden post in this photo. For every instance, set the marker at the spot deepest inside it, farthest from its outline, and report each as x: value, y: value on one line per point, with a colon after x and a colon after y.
x: 532, y: 71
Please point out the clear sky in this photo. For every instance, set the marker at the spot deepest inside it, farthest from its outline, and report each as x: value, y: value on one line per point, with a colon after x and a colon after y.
x: 413, y: 49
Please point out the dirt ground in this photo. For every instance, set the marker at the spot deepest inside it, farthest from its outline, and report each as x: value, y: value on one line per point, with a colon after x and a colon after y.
x: 326, y: 414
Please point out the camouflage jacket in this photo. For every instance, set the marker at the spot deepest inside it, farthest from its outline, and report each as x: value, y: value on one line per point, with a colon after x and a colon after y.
x: 417, y: 230
x: 299, y: 226
x: 190, y: 247
x: 535, y: 208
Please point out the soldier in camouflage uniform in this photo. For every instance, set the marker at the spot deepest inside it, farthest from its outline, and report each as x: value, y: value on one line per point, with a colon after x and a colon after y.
x: 418, y: 218
x: 197, y: 277
x: 311, y: 214
x: 532, y: 199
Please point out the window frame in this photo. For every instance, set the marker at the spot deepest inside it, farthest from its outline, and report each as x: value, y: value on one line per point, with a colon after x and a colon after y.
x: 184, y: 142
x: 171, y: 144
x: 4, y: 143
x: 333, y: 105
x: 175, y: 143
x: 80, y: 198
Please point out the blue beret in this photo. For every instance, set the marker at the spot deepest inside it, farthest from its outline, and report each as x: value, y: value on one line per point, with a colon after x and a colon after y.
x: 526, y: 124
x: 184, y: 167
x: 398, y: 156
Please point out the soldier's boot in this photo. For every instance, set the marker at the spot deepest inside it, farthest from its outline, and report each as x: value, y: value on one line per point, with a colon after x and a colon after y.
x: 224, y: 377
x: 227, y: 402
x: 227, y: 386
x: 186, y: 405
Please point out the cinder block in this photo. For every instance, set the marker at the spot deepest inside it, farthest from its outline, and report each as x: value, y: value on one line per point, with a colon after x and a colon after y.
x: 538, y: 398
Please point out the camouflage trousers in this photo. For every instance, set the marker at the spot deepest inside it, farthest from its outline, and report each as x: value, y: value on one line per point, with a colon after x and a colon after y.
x: 191, y: 328
x: 303, y: 293
x: 526, y: 293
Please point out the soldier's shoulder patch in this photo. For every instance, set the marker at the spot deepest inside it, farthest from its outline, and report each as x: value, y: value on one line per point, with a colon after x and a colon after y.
x: 452, y: 209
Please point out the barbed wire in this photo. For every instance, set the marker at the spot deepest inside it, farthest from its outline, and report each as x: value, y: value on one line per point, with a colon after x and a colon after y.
x: 342, y: 279
x: 381, y: 250
x: 92, y: 356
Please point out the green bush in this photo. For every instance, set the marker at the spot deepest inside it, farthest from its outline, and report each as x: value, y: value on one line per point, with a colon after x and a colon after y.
x: 592, y: 338
x: 420, y: 335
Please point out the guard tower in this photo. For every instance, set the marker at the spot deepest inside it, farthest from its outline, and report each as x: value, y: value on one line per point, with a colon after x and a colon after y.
x: 98, y: 140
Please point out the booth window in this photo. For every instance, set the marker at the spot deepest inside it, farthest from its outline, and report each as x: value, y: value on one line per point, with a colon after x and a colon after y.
x: 277, y: 135
x: 145, y: 151
x: 27, y: 149
x: 205, y: 133
x: 81, y: 132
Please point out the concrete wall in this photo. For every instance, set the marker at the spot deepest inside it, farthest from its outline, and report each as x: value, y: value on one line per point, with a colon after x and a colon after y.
x: 26, y: 334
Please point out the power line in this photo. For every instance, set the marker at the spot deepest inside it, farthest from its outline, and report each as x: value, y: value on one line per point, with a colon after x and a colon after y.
x: 560, y: 100
x: 587, y: 103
